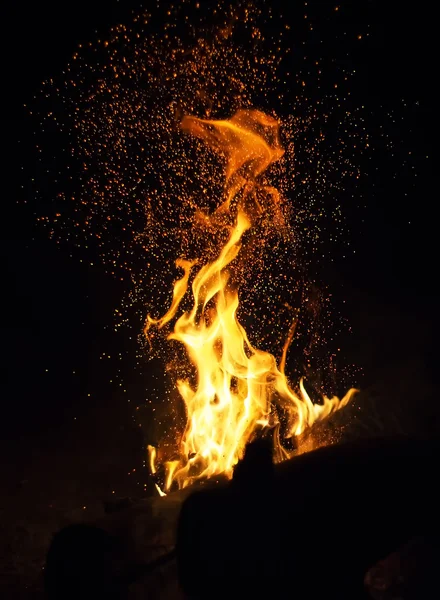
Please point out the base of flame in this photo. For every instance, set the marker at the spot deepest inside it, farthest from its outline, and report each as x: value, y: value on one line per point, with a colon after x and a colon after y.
x: 196, y: 468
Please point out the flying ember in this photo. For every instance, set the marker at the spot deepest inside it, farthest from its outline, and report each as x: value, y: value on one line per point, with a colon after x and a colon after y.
x: 237, y: 389
x: 205, y: 151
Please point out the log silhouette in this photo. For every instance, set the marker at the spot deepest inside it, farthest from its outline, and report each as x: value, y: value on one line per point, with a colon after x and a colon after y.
x: 310, y: 527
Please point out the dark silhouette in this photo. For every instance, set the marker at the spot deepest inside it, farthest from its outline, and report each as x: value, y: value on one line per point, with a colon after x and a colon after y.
x: 82, y: 564
x: 311, y: 528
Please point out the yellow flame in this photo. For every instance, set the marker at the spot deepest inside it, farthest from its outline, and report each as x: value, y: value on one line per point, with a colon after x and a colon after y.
x: 152, y: 458
x: 160, y: 492
x: 237, y: 384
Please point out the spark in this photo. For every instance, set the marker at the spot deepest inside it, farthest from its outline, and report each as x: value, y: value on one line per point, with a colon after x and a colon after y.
x: 135, y: 183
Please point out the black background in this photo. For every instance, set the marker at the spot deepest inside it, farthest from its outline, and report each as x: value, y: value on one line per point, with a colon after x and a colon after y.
x: 57, y: 311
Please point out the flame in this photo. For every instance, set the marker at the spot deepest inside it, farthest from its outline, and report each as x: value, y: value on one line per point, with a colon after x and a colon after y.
x: 250, y: 143
x: 237, y: 386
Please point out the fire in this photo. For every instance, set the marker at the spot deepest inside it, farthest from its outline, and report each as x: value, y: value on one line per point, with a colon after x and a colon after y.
x: 238, y: 387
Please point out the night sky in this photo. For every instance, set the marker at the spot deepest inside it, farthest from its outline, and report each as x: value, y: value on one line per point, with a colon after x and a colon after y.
x: 57, y: 310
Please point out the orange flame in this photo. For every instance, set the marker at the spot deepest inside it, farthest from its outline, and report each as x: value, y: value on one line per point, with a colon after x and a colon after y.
x: 237, y: 384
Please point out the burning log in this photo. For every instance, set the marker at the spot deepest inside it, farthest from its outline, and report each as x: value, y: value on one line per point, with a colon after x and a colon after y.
x: 311, y: 526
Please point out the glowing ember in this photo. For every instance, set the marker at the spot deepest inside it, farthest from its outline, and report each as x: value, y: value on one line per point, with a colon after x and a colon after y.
x: 158, y: 174
x: 238, y: 387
